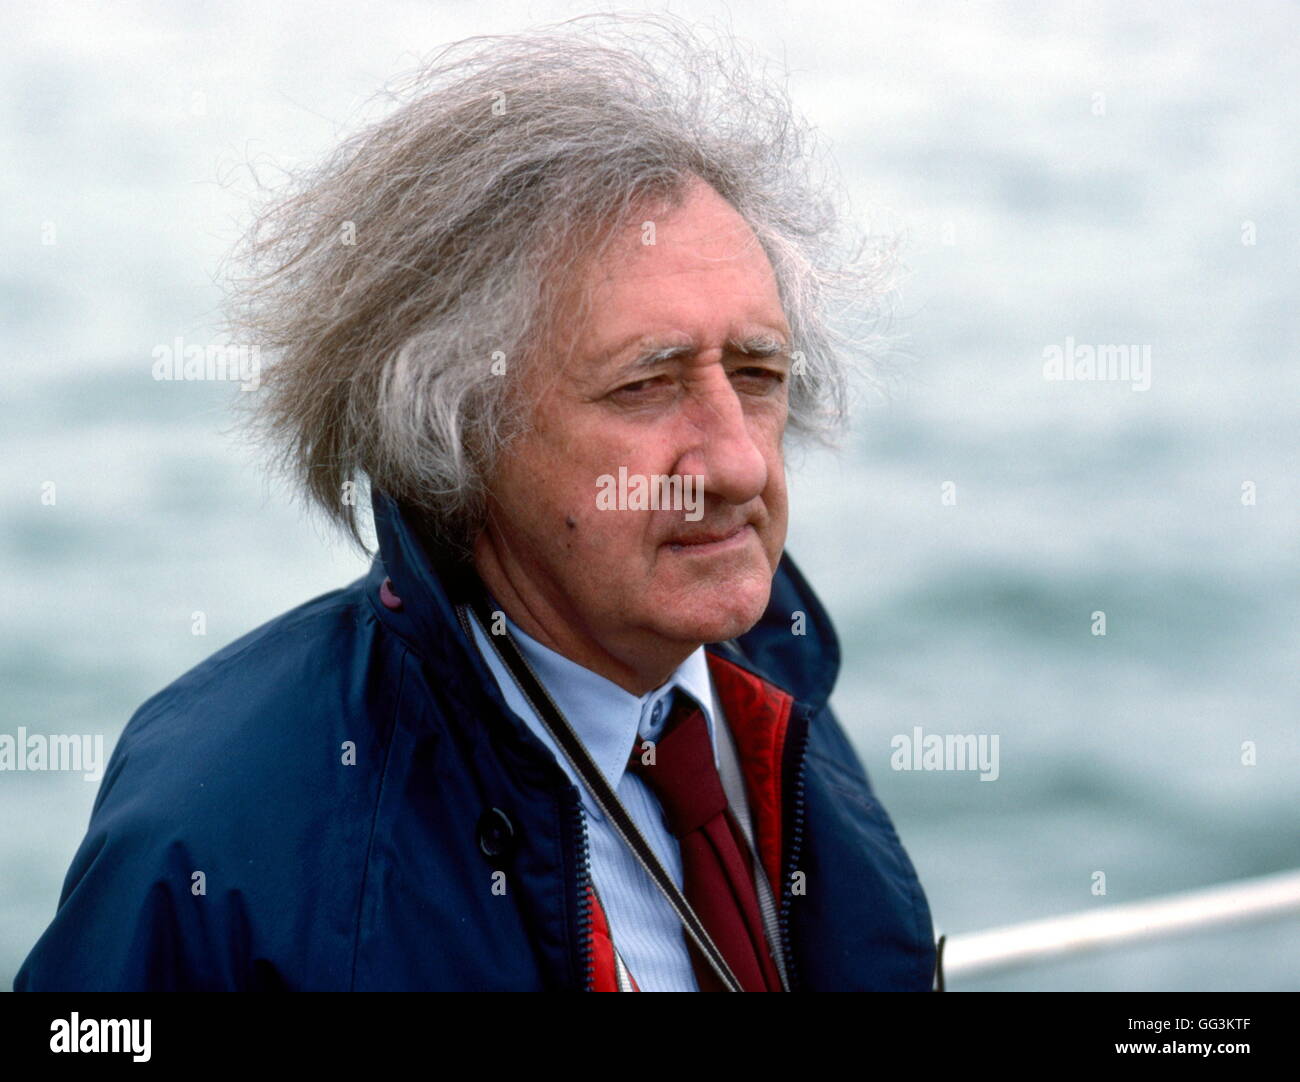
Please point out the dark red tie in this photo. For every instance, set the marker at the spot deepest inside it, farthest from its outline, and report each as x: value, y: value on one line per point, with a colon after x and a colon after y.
x: 716, y: 873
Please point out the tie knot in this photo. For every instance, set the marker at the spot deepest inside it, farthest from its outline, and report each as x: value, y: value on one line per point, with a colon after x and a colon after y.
x: 682, y: 774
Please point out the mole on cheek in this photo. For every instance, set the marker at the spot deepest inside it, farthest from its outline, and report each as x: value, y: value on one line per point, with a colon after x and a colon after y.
x: 568, y: 521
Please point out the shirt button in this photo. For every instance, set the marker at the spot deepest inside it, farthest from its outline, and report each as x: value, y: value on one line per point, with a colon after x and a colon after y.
x: 657, y: 713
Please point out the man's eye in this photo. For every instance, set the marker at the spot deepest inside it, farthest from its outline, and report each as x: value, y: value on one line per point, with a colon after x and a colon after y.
x: 759, y: 378
x: 642, y: 386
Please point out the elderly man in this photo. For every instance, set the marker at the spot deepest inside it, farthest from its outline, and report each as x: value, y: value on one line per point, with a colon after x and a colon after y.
x: 567, y: 733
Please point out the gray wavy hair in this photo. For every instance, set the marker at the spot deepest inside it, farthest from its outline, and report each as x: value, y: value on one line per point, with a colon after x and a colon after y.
x: 390, y: 282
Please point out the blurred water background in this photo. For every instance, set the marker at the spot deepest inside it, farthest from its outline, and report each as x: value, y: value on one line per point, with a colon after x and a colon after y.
x: 1096, y: 171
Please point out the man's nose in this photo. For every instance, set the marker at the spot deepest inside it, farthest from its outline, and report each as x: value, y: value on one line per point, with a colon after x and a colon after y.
x: 731, y: 461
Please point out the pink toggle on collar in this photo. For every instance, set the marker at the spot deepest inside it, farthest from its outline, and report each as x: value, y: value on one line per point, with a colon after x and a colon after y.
x: 389, y: 599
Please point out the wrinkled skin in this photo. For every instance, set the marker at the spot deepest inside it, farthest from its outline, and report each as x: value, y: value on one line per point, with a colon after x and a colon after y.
x: 630, y: 593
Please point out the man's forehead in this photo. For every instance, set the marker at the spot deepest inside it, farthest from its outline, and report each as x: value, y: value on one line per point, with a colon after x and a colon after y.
x: 680, y: 245
x: 687, y: 278
x: 697, y: 232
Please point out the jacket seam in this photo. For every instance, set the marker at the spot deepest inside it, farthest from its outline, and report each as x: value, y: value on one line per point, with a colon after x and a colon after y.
x: 874, y: 808
x: 193, y: 684
x: 914, y: 892
x: 926, y: 972
x: 374, y: 818
x: 913, y: 887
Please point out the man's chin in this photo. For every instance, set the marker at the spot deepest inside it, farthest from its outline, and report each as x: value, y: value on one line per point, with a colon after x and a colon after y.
x: 717, y: 618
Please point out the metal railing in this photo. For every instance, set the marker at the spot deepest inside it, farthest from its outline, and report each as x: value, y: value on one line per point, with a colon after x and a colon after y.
x: 1038, y: 941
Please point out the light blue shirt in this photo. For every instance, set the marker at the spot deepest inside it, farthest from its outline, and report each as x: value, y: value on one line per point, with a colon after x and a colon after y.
x: 609, y: 721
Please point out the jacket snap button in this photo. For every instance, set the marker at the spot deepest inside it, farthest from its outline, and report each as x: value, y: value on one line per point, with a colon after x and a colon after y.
x: 496, y: 834
x: 386, y: 596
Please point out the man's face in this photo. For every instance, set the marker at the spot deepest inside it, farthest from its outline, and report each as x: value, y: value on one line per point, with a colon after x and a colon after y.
x: 681, y: 368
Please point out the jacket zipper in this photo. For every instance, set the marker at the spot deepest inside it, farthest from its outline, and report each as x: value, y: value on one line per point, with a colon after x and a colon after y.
x: 586, y: 940
x: 793, y: 852
x: 586, y: 884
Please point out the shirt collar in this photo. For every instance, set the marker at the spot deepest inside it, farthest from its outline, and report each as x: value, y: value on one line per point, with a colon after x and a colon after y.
x: 609, y: 720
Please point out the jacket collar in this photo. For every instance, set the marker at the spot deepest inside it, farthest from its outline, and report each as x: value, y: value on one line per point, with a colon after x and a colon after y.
x: 793, y: 645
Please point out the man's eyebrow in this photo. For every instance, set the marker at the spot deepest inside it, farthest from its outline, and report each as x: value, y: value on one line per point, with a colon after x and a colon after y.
x: 753, y: 345
x: 759, y: 345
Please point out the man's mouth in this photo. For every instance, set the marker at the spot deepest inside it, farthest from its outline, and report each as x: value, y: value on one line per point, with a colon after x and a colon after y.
x: 705, y: 542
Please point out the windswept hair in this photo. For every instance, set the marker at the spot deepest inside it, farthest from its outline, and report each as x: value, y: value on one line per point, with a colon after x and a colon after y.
x: 403, y: 285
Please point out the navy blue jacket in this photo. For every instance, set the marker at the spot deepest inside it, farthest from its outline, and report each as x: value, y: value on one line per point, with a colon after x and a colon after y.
x: 322, y: 804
